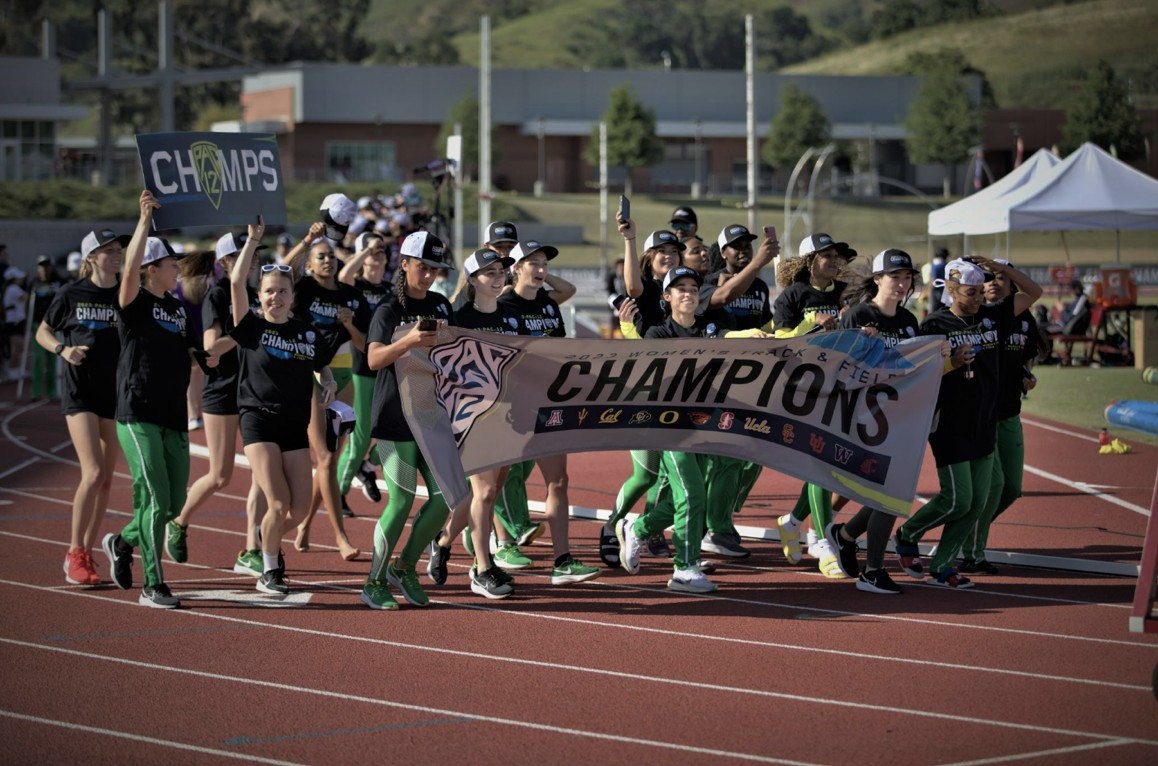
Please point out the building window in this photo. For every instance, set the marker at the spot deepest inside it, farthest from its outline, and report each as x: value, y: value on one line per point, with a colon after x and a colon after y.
x: 360, y: 161
x: 28, y: 149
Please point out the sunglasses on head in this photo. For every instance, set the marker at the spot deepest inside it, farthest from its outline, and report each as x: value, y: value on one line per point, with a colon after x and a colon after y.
x: 275, y: 267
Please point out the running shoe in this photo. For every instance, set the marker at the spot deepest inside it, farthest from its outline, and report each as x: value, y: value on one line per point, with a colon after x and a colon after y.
x: 909, y: 557
x: 690, y: 580
x: 608, y: 547
x: 248, y: 563
x: 158, y: 597
x: 531, y: 534
x: 196, y: 424
x: 369, y: 481
x: 436, y: 561
x: 978, y: 566
x: 406, y: 580
x: 845, y: 550
x: 501, y: 573
x: 347, y: 511
x: 789, y: 540
x: 950, y: 579
x: 508, y: 556
x: 629, y: 545
x: 489, y: 584
x: 74, y: 569
x: 657, y: 546
x: 705, y: 566
x: 571, y: 570
x: 723, y: 544
x: 175, y: 543
x: 120, y: 556
x: 273, y: 582
x: 376, y: 595
x: 90, y: 566
x: 878, y: 581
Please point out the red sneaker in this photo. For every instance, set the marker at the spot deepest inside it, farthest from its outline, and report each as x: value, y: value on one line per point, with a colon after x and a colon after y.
x: 75, y: 572
x: 93, y: 577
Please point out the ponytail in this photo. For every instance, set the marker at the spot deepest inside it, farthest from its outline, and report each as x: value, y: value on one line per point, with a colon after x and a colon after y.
x: 198, y: 264
x: 400, y: 287
x: 860, y: 290
x: 463, y: 284
x: 86, y: 269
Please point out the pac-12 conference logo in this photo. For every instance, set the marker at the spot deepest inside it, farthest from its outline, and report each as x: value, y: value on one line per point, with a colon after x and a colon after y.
x: 469, y: 377
x: 205, y: 168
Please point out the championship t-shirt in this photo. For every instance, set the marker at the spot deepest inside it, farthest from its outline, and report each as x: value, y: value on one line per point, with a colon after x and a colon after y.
x: 801, y: 302
x: 86, y: 315
x: 319, y: 306
x: 374, y: 295
x: 670, y: 328
x: 538, y: 316
x: 503, y: 320
x: 42, y: 294
x: 1019, y: 349
x: 153, y: 370
x: 218, y: 307
x: 965, y: 426
x: 387, y: 419
x: 277, y: 366
x: 653, y: 309
x: 890, y: 329
x: 750, y: 311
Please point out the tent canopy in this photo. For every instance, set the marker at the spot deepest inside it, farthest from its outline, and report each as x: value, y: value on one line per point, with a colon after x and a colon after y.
x: 958, y: 218
x: 1089, y: 190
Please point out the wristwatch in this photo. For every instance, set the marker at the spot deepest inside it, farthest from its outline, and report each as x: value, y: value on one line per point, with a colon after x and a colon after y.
x: 58, y: 349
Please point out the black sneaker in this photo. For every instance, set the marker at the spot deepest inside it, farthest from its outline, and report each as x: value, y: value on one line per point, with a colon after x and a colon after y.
x: 657, y: 547
x: 845, y: 550
x: 369, y: 481
x: 488, y: 584
x: 502, y: 574
x: 347, y: 512
x: 273, y: 582
x: 158, y: 597
x: 120, y: 556
x: 608, y: 547
x: 724, y: 544
x: 978, y: 566
x: 437, y: 557
x: 878, y: 581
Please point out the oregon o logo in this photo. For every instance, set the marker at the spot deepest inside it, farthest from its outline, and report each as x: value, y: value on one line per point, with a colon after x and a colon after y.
x: 667, y: 417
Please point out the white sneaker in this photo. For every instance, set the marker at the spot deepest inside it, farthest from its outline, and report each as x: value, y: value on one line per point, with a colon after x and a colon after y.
x: 196, y: 424
x: 629, y: 546
x: 690, y: 580
x: 814, y: 542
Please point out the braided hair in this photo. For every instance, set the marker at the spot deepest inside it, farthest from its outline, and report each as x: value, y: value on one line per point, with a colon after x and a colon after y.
x: 400, y: 285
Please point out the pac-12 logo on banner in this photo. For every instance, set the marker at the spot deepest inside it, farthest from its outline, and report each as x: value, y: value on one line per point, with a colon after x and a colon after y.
x: 469, y: 377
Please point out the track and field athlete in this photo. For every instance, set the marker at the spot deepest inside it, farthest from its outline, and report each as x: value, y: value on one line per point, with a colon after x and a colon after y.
x: 219, y: 403
x: 152, y: 423
x: 84, y: 313
x: 280, y: 358
x: 964, y: 434
x: 1019, y: 350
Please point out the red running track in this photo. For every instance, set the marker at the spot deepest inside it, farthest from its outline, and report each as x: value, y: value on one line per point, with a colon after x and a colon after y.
x: 780, y: 665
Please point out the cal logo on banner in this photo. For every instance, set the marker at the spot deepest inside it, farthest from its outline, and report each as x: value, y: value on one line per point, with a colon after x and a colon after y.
x: 213, y: 179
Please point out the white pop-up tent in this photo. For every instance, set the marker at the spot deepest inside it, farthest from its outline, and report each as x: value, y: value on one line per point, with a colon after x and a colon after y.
x: 965, y: 216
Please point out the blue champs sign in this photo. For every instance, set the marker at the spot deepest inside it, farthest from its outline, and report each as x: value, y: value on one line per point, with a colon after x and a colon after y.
x: 213, y: 179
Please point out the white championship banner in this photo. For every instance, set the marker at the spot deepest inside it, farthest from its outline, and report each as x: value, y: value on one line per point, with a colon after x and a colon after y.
x: 836, y: 409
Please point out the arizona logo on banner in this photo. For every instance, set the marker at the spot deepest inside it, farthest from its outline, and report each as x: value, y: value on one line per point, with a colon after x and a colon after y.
x: 836, y: 409
x: 213, y: 179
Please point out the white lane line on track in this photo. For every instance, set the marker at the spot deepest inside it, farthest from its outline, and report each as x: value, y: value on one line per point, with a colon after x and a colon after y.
x: 1080, y: 487
x: 585, y: 669
x: 19, y: 467
x: 1055, y: 429
x: 1040, y: 753
x: 427, y: 709
x: 61, y: 446
x: 144, y: 739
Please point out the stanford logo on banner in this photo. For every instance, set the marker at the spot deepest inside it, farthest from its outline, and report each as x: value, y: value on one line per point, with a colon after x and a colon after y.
x: 838, y: 409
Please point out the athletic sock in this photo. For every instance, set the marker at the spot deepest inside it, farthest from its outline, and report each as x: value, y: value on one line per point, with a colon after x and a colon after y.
x: 269, y: 561
x: 790, y: 522
x: 367, y: 465
x: 844, y: 535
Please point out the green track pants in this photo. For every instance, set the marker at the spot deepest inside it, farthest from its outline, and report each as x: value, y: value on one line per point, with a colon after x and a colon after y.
x: 682, y: 508
x: 158, y: 460
x: 358, y: 443
x: 511, y: 505
x: 817, y: 502
x: 644, y: 480
x: 964, y: 492
x: 401, y: 464
x: 1004, y: 486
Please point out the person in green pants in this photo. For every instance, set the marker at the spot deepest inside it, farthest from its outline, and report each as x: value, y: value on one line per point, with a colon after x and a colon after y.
x: 152, y: 423
x: 1019, y: 349
x: 965, y: 426
x: 43, y: 289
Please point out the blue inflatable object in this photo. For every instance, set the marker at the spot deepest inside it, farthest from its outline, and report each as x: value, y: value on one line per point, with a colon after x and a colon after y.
x: 1136, y: 415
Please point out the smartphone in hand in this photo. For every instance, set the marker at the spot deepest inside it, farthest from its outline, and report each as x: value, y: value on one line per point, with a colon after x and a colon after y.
x: 615, y: 301
x: 427, y: 325
x: 770, y: 233
x: 624, y: 208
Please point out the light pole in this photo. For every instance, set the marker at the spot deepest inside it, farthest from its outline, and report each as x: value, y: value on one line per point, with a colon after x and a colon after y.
x: 541, y: 183
x: 698, y: 186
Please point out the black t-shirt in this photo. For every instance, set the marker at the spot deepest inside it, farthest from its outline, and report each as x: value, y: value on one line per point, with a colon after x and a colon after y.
x: 653, y: 309
x: 218, y: 307
x: 750, y: 311
x: 539, y: 316
x: 86, y: 315
x: 153, y: 370
x: 388, y: 421
x: 374, y: 295
x: 801, y: 301
x: 670, y: 328
x: 966, y: 422
x: 504, y: 320
x: 319, y: 306
x: 44, y: 292
x: 890, y: 329
x: 277, y: 365
x: 1019, y: 348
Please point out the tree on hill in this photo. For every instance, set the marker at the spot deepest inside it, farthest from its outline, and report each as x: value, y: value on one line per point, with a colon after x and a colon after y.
x: 800, y: 123
x: 465, y: 111
x: 1102, y: 114
x: 897, y: 16
x: 943, y: 123
x: 953, y: 60
x: 631, y: 140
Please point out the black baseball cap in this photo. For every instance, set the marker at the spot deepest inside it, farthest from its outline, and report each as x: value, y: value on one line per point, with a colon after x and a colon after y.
x: 680, y: 272
x: 888, y: 261
x: 733, y: 233
x: 684, y: 213
x: 502, y: 231
x: 523, y: 249
x: 484, y: 257
x: 427, y: 248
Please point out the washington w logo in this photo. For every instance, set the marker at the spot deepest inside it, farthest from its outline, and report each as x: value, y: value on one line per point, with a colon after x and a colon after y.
x: 469, y: 376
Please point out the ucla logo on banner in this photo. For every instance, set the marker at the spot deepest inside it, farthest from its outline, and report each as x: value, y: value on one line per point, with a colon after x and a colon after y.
x: 469, y: 379
x: 207, y: 163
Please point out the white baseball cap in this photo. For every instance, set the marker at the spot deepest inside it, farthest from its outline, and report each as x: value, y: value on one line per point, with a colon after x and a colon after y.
x: 231, y: 244
x: 523, y: 249
x: 74, y: 260
x: 427, y: 248
x: 484, y: 257
x: 663, y: 237
x: 962, y: 273
x: 157, y: 248
x: 95, y: 239
x: 363, y: 240
x: 338, y: 213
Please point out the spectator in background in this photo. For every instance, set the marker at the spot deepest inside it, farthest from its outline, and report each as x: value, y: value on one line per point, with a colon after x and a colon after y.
x: 1073, y: 318
x: 285, y: 243
x: 15, y: 300
x: 3, y: 258
x: 442, y: 283
x: 73, y: 265
x: 930, y: 295
x: 191, y: 293
x: 616, y: 285
x: 42, y: 290
x: 684, y: 222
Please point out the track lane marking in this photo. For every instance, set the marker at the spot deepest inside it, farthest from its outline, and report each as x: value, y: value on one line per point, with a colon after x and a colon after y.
x: 1040, y: 753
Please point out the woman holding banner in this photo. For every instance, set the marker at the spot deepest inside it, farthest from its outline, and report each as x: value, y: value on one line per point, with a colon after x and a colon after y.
x: 965, y: 427
x: 85, y: 315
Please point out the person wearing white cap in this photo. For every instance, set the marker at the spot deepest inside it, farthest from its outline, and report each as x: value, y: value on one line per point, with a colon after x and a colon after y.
x: 41, y: 290
x: 84, y: 314
x: 1019, y: 349
x: 73, y: 264
x: 152, y: 427
x: 964, y: 434
x: 219, y: 402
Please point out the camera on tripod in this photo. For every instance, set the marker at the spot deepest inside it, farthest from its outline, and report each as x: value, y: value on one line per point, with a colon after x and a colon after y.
x: 437, y: 168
